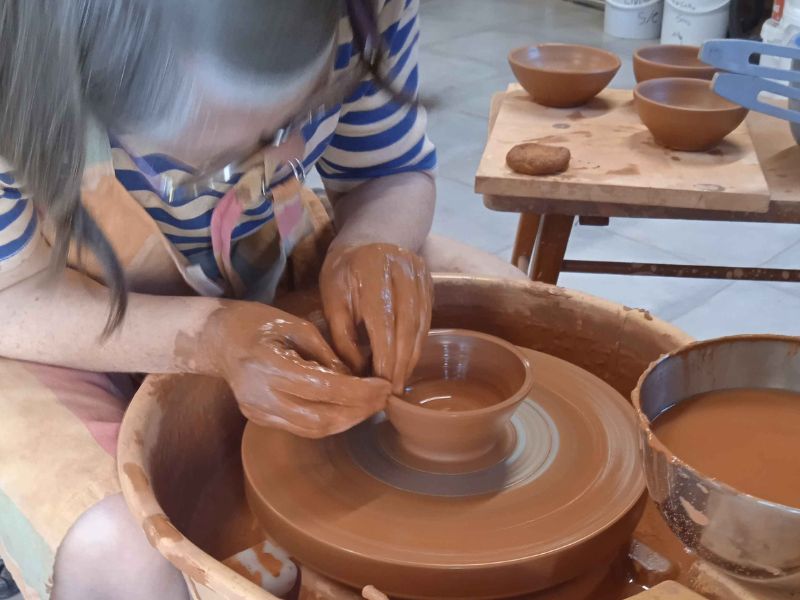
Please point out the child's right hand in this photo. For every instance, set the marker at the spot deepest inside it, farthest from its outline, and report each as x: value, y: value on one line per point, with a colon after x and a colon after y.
x: 284, y: 374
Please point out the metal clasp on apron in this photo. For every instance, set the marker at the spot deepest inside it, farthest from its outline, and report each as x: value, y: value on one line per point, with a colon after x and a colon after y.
x: 298, y: 171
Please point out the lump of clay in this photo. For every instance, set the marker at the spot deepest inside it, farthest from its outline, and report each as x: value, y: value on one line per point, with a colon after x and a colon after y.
x: 538, y: 159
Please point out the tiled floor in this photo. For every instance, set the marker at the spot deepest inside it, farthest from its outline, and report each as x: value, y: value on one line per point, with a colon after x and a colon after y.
x: 463, y: 62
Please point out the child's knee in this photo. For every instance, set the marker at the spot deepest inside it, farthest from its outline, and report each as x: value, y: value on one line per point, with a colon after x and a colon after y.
x: 106, y: 551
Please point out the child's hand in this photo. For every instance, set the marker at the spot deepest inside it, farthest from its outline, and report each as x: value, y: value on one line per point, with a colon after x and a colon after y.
x: 284, y: 374
x: 387, y: 289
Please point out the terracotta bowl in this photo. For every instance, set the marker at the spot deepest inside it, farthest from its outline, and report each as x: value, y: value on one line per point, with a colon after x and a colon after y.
x: 498, y: 369
x: 656, y: 62
x: 563, y: 75
x: 685, y: 114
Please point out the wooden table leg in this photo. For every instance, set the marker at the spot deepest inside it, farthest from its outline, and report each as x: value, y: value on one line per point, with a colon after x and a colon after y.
x: 527, y: 230
x: 551, y: 246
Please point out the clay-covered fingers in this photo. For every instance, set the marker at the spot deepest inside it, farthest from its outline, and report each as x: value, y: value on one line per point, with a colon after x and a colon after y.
x: 339, y: 313
x: 306, y: 340
x: 425, y: 285
x: 306, y: 424
x: 408, y: 320
x: 301, y: 397
x: 377, y: 309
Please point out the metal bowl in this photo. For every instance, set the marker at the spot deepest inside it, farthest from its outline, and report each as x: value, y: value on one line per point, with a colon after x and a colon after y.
x: 748, y: 537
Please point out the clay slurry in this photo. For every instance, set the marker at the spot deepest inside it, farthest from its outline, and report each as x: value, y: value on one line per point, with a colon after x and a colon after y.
x: 452, y: 394
x: 747, y: 438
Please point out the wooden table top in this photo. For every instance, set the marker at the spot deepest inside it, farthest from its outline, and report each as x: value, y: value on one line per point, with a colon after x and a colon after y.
x: 618, y: 170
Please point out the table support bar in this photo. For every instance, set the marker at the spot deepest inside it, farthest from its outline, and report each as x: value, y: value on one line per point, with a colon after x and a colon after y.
x: 692, y: 271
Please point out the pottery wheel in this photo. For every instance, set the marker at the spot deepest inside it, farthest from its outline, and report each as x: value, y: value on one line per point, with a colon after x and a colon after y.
x: 558, y: 497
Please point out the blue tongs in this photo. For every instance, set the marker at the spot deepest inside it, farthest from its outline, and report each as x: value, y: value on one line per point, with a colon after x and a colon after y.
x: 741, y: 81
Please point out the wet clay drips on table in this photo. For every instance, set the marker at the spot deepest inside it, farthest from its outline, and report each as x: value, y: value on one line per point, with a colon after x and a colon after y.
x: 565, y: 500
x: 747, y: 438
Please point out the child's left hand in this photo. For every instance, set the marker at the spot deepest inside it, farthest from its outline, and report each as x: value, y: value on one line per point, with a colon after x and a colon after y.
x: 389, y: 290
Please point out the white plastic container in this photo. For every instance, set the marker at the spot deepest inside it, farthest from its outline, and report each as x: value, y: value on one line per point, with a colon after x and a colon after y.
x: 779, y: 33
x: 780, y: 30
x: 633, y: 19
x: 693, y: 22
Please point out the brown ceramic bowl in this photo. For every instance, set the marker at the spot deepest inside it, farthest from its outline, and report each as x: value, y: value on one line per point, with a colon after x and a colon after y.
x: 498, y: 370
x: 685, y: 114
x: 657, y: 62
x: 563, y: 75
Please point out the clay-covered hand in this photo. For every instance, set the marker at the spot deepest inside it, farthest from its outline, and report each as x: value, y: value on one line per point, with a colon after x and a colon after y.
x: 389, y: 291
x: 284, y: 374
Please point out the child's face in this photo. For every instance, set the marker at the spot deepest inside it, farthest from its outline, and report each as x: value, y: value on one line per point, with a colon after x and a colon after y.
x: 222, y: 114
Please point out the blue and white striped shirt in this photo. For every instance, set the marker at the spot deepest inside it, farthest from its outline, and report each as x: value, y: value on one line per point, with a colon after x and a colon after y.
x: 368, y: 136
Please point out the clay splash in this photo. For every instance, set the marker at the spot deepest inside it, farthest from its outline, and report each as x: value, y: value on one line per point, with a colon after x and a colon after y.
x: 746, y: 438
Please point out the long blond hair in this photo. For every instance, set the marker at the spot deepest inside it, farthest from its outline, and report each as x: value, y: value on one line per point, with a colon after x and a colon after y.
x: 63, y: 62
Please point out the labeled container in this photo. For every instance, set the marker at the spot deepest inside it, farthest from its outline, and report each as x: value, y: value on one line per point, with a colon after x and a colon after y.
x: 633, y: 19
x: 693, y: 22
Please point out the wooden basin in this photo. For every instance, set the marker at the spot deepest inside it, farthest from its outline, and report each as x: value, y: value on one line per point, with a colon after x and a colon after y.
x: 179, y: 449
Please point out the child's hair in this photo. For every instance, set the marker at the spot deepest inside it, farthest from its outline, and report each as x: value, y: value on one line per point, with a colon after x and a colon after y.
x: 119, y: 61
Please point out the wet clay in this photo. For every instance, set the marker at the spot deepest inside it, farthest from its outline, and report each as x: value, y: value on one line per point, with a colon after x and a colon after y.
x: 452, y: 394
x: 747, y: 438
x: 461, y: 368
x: 563, y: 502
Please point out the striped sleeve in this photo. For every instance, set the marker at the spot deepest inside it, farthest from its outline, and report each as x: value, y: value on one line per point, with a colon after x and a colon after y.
x: 377, y: 136
x: 19, y: 227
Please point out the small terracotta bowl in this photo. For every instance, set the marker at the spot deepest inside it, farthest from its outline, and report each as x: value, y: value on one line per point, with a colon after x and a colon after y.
x: 685, y: 114
x: 656, y: 62
x: 497, y: 369
x: 563, y: 75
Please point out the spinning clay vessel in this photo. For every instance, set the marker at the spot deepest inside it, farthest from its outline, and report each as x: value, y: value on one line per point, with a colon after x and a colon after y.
x: 501, y: 472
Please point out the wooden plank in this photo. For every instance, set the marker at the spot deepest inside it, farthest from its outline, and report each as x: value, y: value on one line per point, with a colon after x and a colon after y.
x: 779, y: 155
x: 669, y: 590
x: 615, y: 160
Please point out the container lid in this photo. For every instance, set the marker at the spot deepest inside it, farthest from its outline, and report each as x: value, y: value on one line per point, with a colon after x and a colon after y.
x: 698, y: 6
x: 633, y: 4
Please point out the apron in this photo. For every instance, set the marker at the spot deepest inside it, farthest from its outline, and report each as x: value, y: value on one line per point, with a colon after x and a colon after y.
x: 59, y: 426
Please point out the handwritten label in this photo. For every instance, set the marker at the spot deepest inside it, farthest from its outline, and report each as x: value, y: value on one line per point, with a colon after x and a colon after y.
x: 649, y: 17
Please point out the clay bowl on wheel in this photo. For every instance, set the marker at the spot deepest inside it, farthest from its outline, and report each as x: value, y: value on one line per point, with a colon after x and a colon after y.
x: 461, y: 396
x: 657, y: 62
x: 685, y: 114
x: 563, y: 75
x: 749, y: 537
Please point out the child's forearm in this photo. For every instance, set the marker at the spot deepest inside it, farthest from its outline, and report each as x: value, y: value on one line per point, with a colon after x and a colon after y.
x: 394, y: 210
x: 60, y: 322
